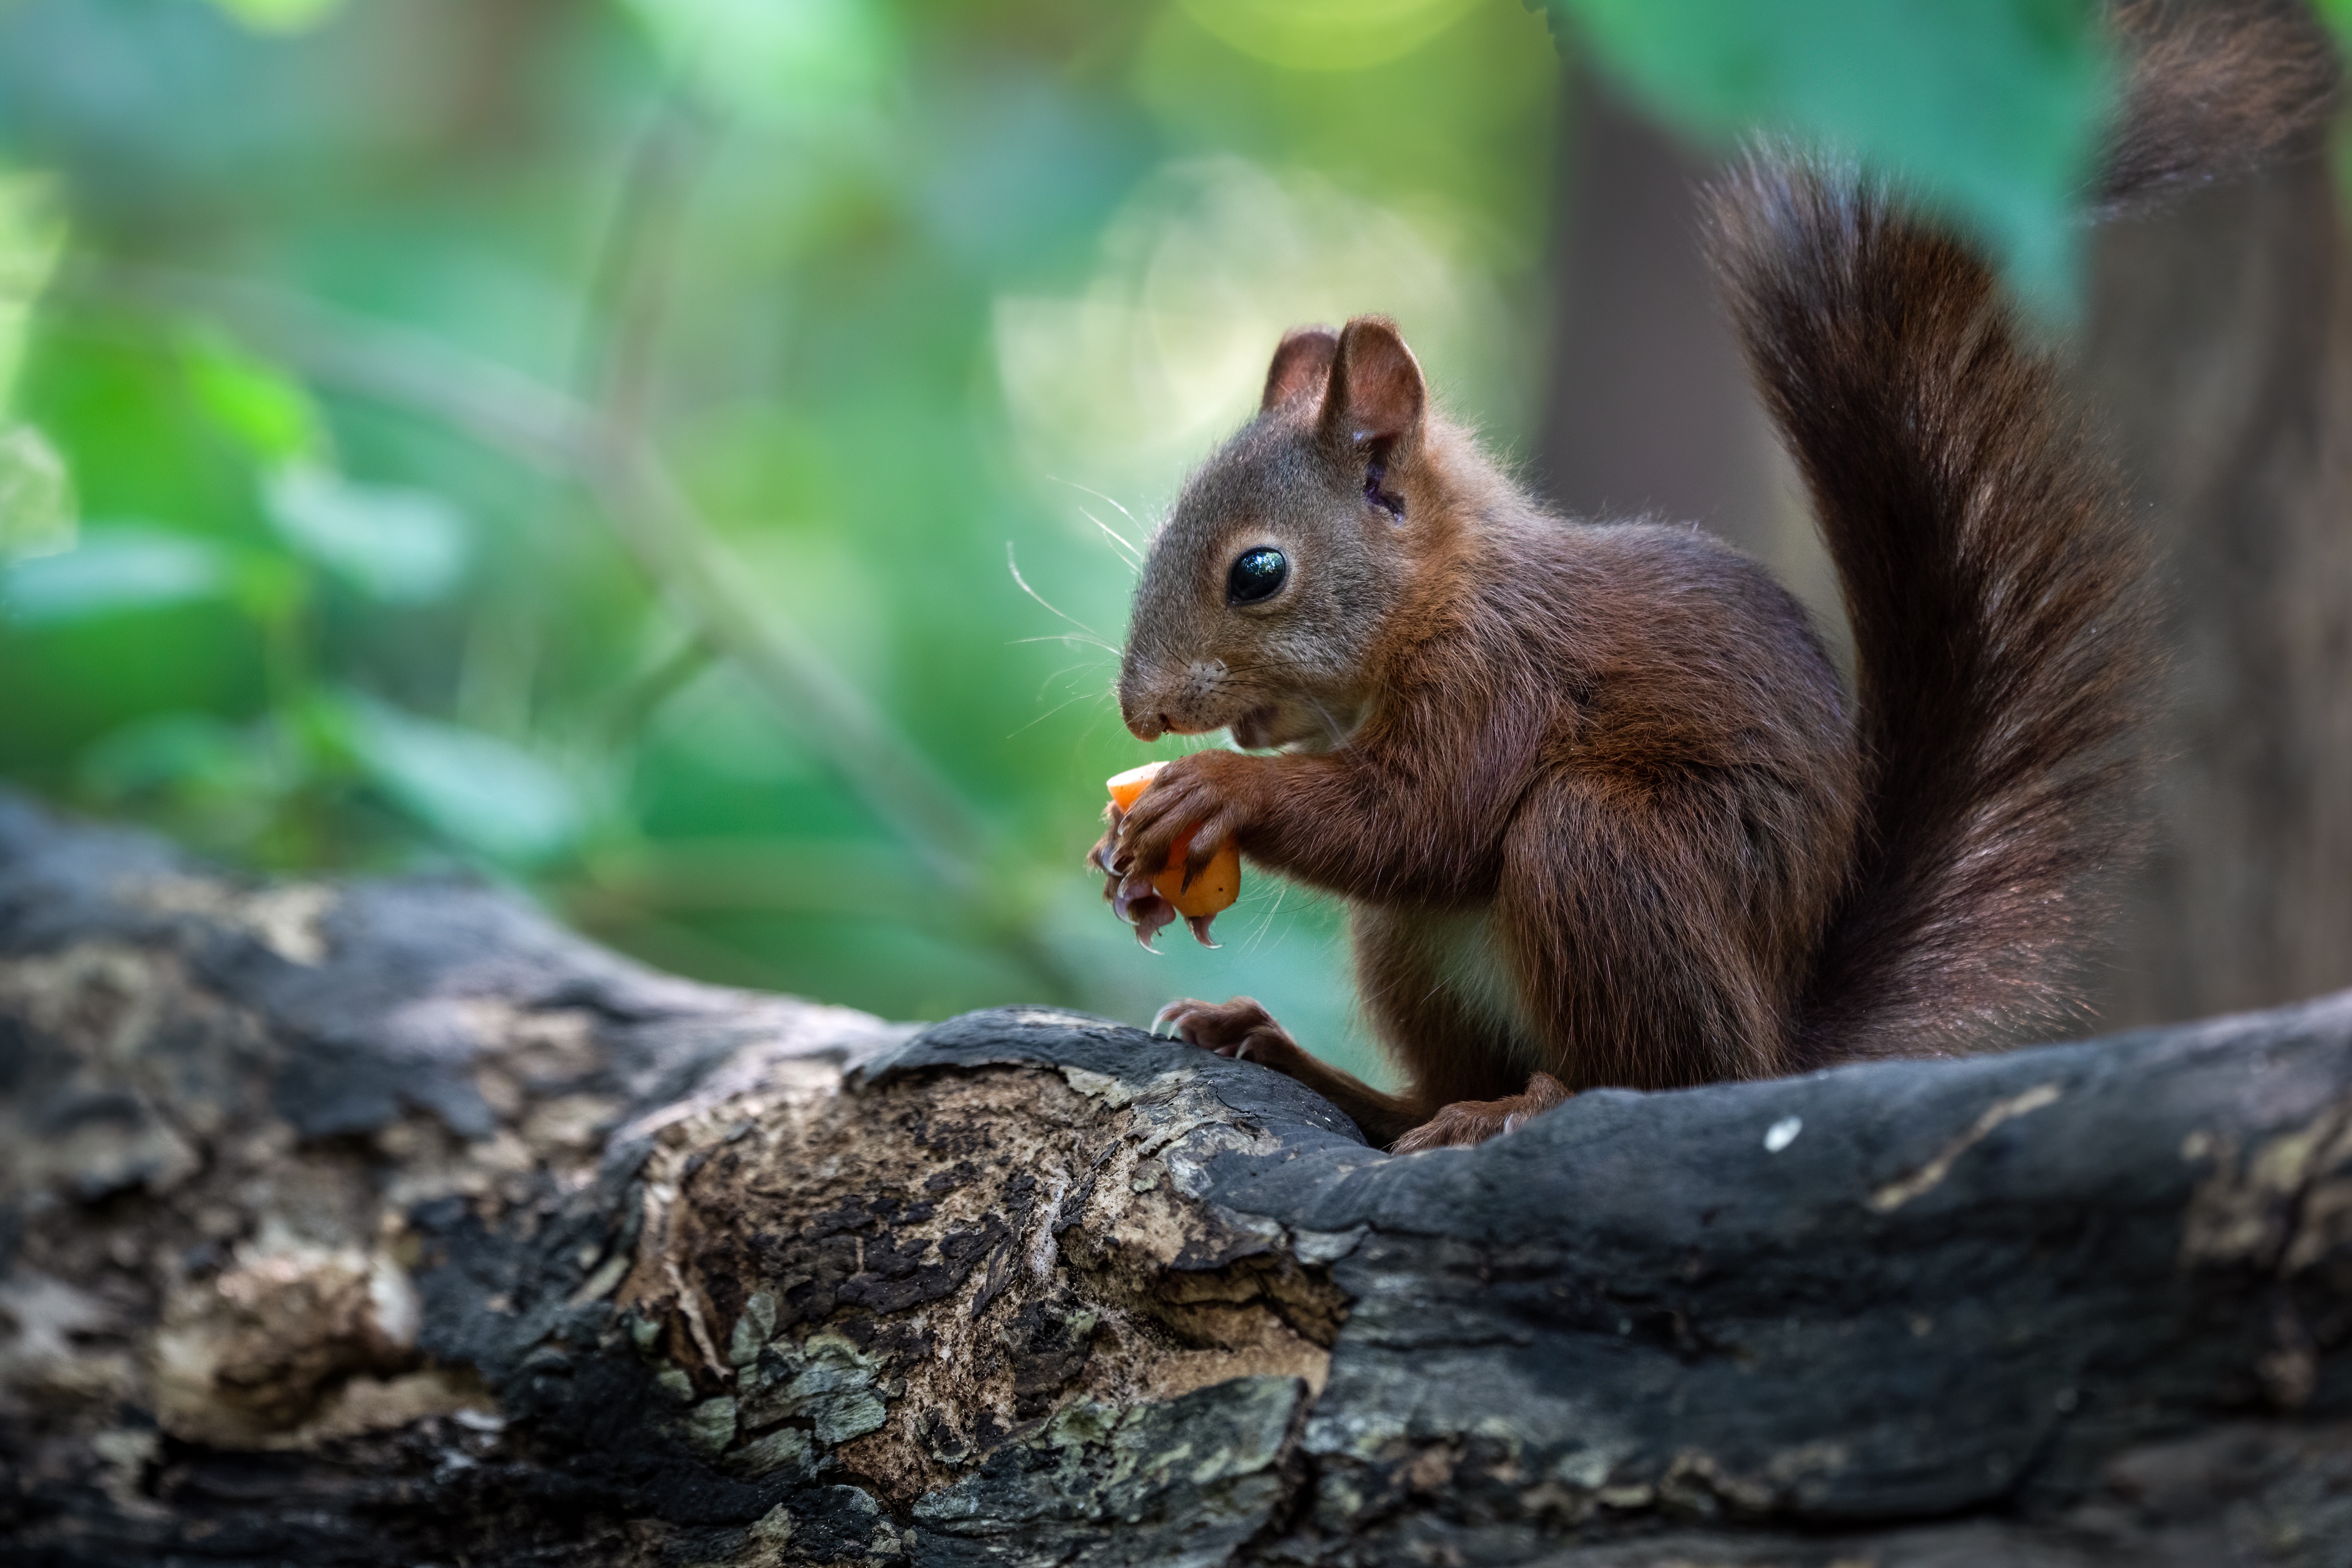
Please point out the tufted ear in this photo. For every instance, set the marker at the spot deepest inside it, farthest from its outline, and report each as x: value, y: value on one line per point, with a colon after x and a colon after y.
x: 1302, y: 363
x: 1377, y: 392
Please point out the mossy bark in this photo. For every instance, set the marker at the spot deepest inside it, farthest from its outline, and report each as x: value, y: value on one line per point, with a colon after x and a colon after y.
x: 383, y: 1223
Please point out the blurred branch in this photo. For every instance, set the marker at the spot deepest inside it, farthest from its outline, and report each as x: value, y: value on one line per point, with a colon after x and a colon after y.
x: 621, y: 337
x: 643, y: 693
x: 599, y: 438
x: 629, y: 294
x: 630, y: 302
x: 660, y: 523
x: 750, y: 876
x: 703, y: 580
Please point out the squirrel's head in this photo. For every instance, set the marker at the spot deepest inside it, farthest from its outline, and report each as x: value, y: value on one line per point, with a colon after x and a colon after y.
x: 1285, y: 555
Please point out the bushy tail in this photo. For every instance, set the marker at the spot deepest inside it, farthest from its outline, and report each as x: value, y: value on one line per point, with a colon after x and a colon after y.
x: 2001, y: 621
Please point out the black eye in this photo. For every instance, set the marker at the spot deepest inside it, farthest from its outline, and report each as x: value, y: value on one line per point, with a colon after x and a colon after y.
x: 1256, y: 575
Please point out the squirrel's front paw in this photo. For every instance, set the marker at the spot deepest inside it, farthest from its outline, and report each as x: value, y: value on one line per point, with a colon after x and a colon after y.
x: 1239, y: 1028
x: 1208, y: 795
x: 1131, y: 896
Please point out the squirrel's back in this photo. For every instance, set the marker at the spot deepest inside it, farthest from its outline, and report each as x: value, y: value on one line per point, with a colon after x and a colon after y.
x: 2002, y: 623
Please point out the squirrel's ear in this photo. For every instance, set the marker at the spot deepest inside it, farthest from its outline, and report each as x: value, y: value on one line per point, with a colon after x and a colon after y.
x: 1302, y: 363
x: 1377, y: 392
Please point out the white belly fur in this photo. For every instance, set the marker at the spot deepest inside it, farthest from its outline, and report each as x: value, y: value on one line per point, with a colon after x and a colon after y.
x: 1465, y: 949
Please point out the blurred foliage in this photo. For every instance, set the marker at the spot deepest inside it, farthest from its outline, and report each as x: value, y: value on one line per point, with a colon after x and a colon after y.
x: 684, y: 457
x: 1993, y: 107
x: 590, y: 441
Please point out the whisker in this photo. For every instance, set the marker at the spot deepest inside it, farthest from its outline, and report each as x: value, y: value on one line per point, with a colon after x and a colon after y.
x: 1057, y: 674
x: 1281, y: 892
x: 1143, y: 533
x: 1330, y: 725
x: 1082, y: 640
x: 1046, y: 715
x: 1013, y: 566
x: 1125, y: 551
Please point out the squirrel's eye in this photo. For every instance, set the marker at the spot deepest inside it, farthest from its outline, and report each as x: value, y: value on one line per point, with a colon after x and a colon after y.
x: 1256, y: 575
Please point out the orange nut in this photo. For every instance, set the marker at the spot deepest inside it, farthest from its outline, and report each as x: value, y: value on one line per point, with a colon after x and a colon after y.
x: 1220, y: 882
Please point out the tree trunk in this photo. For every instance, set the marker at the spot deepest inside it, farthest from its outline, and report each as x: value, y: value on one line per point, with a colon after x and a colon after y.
x: 2220, y: 340
x: 1649, y: 410
x: 385, y: 1224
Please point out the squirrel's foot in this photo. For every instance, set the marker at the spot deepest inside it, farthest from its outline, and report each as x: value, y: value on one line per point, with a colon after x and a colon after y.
x: 1468, y: 1122
x: 1239, y: 1028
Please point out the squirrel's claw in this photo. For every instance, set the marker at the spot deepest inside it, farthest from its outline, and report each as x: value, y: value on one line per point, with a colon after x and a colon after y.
x: 1135, y: 901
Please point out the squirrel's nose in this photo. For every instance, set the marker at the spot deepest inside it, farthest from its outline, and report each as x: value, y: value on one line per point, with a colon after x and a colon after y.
x: 1143, y: 724
x: 1139, y: 705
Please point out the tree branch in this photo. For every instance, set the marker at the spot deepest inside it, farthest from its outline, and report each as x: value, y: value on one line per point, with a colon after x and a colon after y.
x: 382, y: 1223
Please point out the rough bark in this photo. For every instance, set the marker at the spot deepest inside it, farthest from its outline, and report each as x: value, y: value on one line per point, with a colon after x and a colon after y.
x: 383, y: 1223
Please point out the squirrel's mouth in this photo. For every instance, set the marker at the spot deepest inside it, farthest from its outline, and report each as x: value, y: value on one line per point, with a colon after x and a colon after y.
x: 1292, y: 726
x: 1255, y: 729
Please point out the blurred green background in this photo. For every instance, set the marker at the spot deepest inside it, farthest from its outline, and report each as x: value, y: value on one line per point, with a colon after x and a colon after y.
x: 683, y: 456
x: 592, y: 442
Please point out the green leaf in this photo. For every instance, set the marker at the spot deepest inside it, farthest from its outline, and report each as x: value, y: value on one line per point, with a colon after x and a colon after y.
x: 266, y: 410
x: 181, y: 750
x: 225, y: 787
x: 280, y: 15
x: 267, y: 586
x: 37, y: 497
x: 31, y: 236
x: 113, y: 569
x: 403, y: 546
x: 475, y: 788
x: 1992, y: 108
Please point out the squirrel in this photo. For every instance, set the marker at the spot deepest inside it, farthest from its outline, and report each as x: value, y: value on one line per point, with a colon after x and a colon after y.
x: 1598, y: 804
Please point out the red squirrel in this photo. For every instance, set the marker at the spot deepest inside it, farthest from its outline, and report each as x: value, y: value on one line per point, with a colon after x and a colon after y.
x: 1598, y: 804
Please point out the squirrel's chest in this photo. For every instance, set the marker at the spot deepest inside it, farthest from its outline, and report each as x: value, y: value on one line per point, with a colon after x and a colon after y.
x: 1462, y: 954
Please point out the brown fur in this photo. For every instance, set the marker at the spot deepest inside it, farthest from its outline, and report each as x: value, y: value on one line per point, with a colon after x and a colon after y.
x: 1598, y: 805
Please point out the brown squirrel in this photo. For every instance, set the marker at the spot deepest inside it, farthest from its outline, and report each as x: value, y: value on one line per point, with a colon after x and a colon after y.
x: 1599, y: 808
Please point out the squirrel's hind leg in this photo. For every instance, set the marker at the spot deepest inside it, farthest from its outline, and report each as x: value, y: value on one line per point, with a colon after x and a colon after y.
x: 1468, y: 1122
x: 1243, y: 1030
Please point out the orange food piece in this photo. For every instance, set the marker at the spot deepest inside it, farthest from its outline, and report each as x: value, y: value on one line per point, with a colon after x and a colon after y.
x: 1220, y: 882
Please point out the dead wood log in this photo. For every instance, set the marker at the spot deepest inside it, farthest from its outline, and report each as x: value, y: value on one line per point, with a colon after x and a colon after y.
x: 383, y: 1223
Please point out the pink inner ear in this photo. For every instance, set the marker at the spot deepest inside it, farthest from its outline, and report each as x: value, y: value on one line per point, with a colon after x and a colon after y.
x: 1383, y: 390
x: 1301, y: 364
